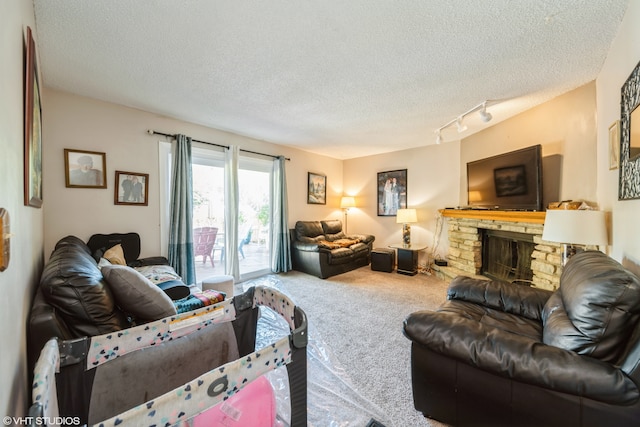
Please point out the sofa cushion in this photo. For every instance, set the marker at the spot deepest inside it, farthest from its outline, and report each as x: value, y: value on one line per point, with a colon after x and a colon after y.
x: 137, y: 295
x: 340, y: 256
x: 311, y: 229
x: 494, y: 318
x: 595, y: 309
x: 331, y: 227
x: 73, y: 285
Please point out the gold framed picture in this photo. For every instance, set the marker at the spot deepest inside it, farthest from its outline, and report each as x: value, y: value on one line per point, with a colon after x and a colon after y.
x: 614, y: 145
x: 85, y: 169
x: 32, y: 128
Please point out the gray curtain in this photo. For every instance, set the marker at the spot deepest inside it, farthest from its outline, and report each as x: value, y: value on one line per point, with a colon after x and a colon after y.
x: 231, y: 211
x: 280, y: 243
x: 180, y: 225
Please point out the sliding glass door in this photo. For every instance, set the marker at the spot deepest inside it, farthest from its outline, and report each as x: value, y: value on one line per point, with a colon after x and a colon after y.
x: 254, y: 176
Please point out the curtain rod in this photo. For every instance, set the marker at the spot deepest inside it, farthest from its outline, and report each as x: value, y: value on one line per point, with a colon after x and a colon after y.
x: 153, y: 132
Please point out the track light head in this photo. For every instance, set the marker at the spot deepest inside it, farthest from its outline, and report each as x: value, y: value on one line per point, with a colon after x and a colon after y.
x: 438, y: 137
x: 461, y: 127
x: 485, y: 116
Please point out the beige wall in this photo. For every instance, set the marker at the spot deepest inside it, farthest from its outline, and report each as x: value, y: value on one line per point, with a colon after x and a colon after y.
x: 19, y: 279
x: 433, y: 174
x: 81, y: 123
x: 564, y: 126
x: 621, y: 60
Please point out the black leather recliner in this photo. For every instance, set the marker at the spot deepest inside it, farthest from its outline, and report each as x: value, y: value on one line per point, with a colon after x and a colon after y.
x: 322, y: 249
x: 498, y: 354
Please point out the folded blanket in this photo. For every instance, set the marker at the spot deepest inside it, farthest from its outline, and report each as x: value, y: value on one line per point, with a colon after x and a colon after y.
x: 166, y: 278
x: 339, y: 243
x: 199, y: 299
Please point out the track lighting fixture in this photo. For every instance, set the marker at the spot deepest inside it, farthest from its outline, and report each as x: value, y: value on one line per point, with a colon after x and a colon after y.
x: 485, y: 116
x: 438, y: 137
x: 461, y: 127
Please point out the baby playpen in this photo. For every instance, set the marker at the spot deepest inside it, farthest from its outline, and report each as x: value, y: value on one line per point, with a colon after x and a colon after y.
x: 181, y: 370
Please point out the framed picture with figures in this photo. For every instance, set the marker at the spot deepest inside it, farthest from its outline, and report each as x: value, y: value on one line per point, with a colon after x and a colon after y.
x: 392, y: 192
x: 131, y: 188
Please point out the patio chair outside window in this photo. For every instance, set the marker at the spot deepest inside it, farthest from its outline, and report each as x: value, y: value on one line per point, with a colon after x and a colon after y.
x: 204, y: 239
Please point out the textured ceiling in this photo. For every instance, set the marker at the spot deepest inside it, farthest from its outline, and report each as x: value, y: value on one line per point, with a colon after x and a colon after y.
x: 340, y: 78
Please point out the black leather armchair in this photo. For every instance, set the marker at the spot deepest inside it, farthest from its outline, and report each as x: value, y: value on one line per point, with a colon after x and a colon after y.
x: 498, y: 354
x: 322, y: 249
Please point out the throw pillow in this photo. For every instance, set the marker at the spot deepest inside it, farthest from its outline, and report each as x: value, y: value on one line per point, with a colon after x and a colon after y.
x: 115, y: 255
x: 136, y: 295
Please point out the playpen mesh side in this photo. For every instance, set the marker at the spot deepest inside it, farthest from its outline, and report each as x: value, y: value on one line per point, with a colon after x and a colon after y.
x: 148, y: 379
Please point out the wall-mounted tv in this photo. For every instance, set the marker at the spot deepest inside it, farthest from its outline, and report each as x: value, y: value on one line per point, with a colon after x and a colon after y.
x: 509, y: 181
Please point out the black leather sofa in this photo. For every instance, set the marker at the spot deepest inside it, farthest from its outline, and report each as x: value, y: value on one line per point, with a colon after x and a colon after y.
x: 73, y: 299
x: 498, y: 354
x: 322, y: 249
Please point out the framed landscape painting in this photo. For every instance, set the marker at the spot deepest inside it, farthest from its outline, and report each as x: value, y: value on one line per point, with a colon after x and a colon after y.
x: 392, y: 192
x: 316, y: 189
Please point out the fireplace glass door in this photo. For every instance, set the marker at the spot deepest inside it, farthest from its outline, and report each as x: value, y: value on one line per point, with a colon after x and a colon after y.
x: 507, y: 256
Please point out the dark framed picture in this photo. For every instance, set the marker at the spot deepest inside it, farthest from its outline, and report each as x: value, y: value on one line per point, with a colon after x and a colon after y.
x: 132, y: 188
x: 316, y: 189
x: 629, y: 161
x: 85, y: 169
x: 32, y: 128
x: 392, y: 192
x: 510, y: 181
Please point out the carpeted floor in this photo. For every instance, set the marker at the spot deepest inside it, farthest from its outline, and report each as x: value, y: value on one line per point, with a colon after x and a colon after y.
x: 358, y: 316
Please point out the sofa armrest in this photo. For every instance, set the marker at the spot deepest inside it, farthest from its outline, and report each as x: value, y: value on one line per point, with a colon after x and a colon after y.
x: 520, y: 358
x: 44, y: 324
x: 306, y: 247
x: 511, y: 298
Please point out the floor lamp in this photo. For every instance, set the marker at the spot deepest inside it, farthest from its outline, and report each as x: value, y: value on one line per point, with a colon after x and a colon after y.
x: 345, y: 203
x: 573, y: 227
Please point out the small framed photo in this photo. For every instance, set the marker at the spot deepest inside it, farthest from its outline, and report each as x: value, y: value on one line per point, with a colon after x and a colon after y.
x: 614, y: 145
x: 392, y: 192
x: 317, y: 189
x: 85, y: 169
x: 132, y: 188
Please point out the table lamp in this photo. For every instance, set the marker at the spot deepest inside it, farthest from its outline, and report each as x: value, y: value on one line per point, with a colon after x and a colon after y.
x: 405, y: 217
x: 345, y: 203
x: 575, y: 227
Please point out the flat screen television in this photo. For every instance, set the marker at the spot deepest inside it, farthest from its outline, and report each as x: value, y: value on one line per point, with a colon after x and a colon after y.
x: 509, y: 181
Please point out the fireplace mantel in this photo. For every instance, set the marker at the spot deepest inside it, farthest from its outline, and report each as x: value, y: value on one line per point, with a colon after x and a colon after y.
x: 532, y: 217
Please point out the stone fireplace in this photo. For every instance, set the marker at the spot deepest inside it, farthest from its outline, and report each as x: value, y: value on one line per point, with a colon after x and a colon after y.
x: 522, y: 254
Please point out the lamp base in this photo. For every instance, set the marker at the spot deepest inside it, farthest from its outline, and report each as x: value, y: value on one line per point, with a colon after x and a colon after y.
x: 568, y: 251
x: 406, y: 234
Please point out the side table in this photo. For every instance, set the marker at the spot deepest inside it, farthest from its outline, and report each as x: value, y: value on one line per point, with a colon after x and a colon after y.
x: 408, y: 257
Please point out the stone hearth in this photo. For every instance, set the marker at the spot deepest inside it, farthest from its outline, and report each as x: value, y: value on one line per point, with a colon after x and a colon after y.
x: 465, y: 244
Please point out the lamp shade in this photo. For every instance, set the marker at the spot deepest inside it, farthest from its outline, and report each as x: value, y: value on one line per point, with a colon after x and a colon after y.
x: 405, y: 216
x: 579, y: 227
x: 347, y: 202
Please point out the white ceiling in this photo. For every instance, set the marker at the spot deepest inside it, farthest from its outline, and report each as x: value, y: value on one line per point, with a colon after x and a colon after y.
x: 339, y: 78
